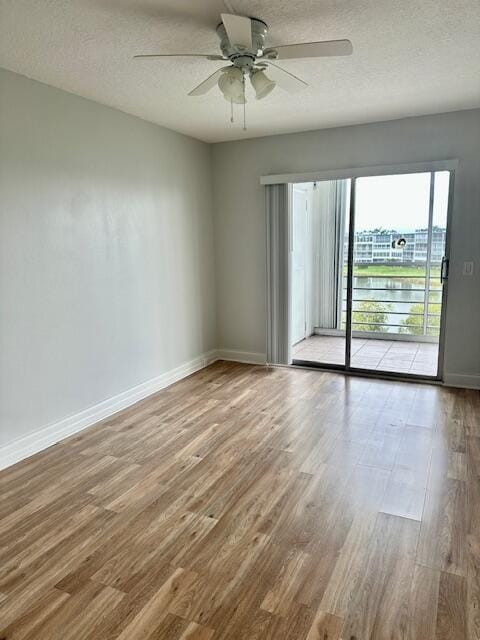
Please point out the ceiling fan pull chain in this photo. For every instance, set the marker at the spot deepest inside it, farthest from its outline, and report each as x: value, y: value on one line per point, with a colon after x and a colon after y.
x: 231, y: 111
x: 244, y: 107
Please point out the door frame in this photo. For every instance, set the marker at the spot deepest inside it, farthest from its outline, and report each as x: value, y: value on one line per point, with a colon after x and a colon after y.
x: 359, y: 172
x: 443, y: 312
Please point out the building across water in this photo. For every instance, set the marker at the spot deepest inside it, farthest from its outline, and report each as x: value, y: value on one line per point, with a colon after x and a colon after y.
x: 380, y: 246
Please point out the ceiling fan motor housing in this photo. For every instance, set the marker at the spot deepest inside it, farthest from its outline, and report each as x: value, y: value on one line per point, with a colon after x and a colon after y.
x: 240, y: 56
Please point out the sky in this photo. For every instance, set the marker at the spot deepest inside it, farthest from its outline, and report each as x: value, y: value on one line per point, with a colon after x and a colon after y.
x: 399, y: 202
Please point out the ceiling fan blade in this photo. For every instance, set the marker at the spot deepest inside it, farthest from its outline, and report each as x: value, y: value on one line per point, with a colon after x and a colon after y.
x: 208, y: 84
x: 312, y: 49
x: 207, y: 56
x: 285, y: 79
x: 239, y: 30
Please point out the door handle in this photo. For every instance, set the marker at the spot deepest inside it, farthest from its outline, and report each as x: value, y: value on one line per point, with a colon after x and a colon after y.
x: 444, y: 270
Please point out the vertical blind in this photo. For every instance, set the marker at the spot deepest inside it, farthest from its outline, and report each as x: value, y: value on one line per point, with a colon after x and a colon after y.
x: 277, y: 197
x: 329, y: 205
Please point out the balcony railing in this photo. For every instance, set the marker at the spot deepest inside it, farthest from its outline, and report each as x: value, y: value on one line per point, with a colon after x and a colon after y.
x: 384, y: 306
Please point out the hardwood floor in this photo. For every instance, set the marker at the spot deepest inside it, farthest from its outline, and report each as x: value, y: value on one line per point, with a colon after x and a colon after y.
x: 248, y: 503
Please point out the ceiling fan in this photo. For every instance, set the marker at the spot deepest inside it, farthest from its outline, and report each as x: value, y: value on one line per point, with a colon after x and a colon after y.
x: 242, y: 43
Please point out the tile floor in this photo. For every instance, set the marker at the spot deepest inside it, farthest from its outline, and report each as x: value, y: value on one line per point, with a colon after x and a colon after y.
x: 382, y: 355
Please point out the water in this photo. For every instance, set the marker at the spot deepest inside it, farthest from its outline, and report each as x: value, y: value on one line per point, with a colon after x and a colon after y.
x: 400, y: 293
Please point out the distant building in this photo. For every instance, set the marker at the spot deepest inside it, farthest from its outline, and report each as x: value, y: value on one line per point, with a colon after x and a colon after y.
x: 380, y: 246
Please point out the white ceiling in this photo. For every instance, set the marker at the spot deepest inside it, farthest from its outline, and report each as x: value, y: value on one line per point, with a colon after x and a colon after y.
x: 410, y: 57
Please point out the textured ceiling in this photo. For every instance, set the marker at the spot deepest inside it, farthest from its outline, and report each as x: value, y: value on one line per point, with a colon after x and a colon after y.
x: 410, y: 57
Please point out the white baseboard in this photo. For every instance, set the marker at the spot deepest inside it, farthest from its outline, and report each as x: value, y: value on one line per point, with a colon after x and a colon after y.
x: 462, y: 380
x: 247, y: 357
x: 46, y: 436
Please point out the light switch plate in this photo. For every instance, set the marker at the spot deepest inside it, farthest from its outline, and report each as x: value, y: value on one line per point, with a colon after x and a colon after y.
x: 468, y: 268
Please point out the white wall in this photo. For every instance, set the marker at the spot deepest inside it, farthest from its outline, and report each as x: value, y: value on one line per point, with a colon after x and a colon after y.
x: 106, y: 253
x: 240, y: 219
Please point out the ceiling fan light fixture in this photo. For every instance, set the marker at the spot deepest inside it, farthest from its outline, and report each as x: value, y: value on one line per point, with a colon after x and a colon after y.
x: 237, y: 100
x: 262, y: 84
x: 231, y: 84
x: 243, y: 45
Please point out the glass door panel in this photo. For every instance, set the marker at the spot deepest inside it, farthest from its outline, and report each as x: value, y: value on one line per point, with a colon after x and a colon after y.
x: 327, y: 205
x: 399, y: 243
x: 426, y: 360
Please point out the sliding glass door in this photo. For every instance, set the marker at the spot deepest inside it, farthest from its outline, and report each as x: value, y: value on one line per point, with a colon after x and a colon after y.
x: 375, y: 264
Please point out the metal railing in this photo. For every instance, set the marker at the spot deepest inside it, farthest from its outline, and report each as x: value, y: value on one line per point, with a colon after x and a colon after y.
x: 394, y: 320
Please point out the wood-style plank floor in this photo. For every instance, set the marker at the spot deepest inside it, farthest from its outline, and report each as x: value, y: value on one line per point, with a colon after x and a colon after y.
x: 251, y: 503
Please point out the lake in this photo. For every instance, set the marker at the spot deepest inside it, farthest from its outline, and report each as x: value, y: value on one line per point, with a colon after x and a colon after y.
x: 400, y: 292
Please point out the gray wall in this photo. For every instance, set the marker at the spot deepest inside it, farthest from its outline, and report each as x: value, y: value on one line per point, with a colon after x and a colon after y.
x: 240, y: 218
x: 106, y: 253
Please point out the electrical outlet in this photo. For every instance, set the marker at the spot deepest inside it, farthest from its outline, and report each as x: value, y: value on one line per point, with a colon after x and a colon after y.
x: 468, y: 268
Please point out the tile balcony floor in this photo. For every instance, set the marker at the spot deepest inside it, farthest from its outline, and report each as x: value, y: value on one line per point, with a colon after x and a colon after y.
x: 418, y: 358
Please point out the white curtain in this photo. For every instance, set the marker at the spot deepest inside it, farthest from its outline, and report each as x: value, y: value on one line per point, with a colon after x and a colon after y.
x: 277, y: 205
x: 329, y: 203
